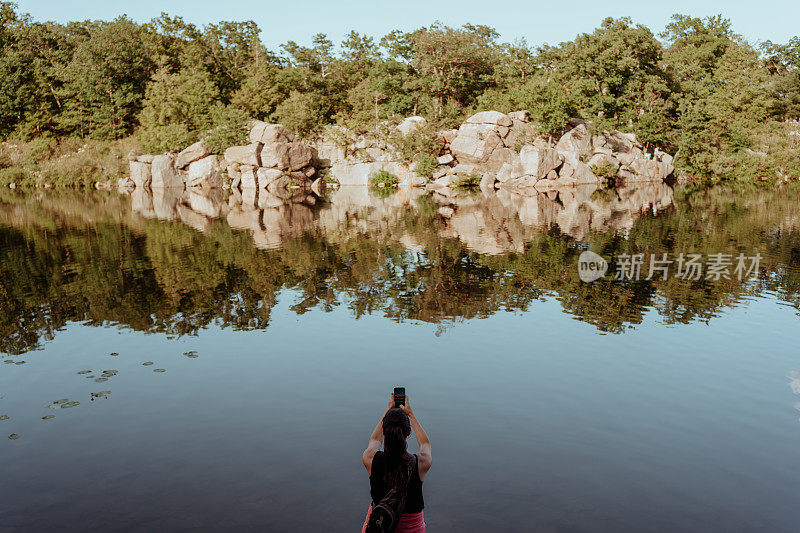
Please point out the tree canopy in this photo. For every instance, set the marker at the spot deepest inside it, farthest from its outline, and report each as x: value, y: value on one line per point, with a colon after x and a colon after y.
x: 697, y: 89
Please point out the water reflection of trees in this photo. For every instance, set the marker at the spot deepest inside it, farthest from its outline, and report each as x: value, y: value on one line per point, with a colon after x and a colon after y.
x: 89, y: 257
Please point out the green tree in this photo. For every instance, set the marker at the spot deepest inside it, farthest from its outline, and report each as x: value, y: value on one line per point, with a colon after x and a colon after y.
x: 104, y: 82
x: 177, y: 108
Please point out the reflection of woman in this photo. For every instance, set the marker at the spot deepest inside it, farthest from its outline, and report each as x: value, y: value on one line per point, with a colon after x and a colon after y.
x: 389, y: 469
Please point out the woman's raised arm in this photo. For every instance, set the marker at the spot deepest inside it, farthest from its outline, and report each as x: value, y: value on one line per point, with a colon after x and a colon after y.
x: 424, y: 455
x: 375, y: 440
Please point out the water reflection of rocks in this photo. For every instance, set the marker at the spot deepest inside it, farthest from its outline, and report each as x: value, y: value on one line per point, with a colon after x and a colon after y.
x: 440, y: 257
x: 488, y: 223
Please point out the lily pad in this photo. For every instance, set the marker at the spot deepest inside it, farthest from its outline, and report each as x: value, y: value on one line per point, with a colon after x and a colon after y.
x: 100, y: 380
x: 4, y: 417
x: 159, y: 370
x: 48, y: 417
x: 13, y: 436
x: 84, y: 372
x: 62, y: 400
x: 70, y: 404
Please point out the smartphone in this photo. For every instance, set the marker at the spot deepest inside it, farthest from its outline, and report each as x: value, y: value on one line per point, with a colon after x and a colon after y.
x: 399, y: 396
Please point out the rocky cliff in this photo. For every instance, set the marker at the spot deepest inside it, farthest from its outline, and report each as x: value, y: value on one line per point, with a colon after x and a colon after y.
x: 490, y: 149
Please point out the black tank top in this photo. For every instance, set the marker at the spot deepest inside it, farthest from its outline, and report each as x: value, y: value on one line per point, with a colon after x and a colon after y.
x: 377, y: 488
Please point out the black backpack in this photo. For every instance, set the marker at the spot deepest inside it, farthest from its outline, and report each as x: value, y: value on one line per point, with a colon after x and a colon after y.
x: 385, y: 515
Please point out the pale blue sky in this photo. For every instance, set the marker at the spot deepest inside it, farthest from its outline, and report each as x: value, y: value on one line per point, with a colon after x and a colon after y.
x: 539, y: 22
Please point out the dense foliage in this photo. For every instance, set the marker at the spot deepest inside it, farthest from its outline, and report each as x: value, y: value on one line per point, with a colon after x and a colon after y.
x: 728, y: 109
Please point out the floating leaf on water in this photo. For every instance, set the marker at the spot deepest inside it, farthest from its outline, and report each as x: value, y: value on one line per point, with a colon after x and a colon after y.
x: 48, y: 417
x: 148, y: 363
x: 70, y: 404
x: 62, y: 400
x: 84, y: 372
x: 13, y: 436
x: 159, y: 370
x: 4, y: 417
x: 100, y: 380
x: 113, y: 354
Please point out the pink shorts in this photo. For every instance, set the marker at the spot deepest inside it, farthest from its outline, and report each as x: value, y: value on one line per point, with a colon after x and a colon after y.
x: 409, y: 522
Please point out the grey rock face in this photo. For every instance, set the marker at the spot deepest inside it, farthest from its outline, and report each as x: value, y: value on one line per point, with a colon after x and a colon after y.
x: 164, y: 173
x: 191, y: 154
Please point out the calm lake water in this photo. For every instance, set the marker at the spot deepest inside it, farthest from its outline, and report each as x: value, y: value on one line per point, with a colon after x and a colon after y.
x: 277, y: 326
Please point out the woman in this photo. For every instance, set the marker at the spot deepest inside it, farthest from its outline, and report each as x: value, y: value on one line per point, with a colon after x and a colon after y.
x: 389, y: 468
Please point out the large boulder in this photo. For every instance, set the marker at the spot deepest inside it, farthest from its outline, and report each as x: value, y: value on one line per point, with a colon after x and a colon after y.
x: 286, y: 156
x: 603, y: 160
x: 475, y: 143
x: 191, y: 154
x: 539, y: 162
x: 300, y: 156
x: 576, y: 173
x: 490, y: 117
x: 275, y: 155
x: 266, y: 176
x: 205, y: 172
x: 647, y: 170
x: 140, y: 174
x: 164, y: 173
x: 244, y: 155
x: 248, y: 179
x: 448, y: 136
x: 499, y: 158
x: 410, y: 124
x: 264, y: 133
x: 623, y: 143
x: 577, y: 140
x: 511, y: 170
